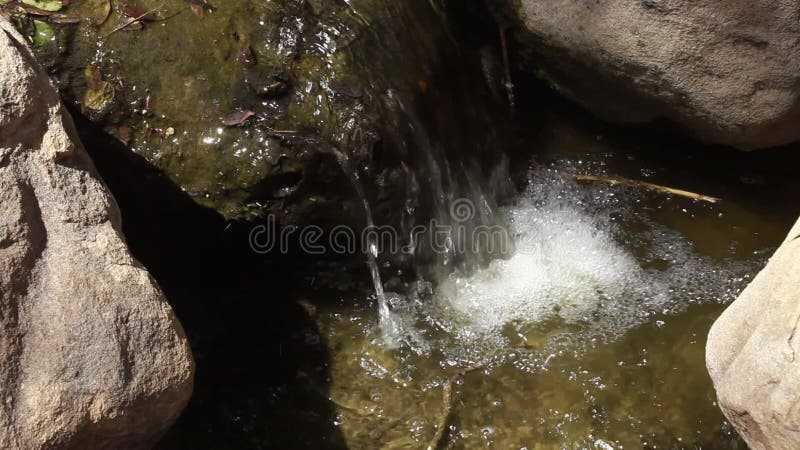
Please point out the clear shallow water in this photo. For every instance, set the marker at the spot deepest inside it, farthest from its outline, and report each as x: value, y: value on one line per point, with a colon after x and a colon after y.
x: 591, y: 333
x: 286, y: 361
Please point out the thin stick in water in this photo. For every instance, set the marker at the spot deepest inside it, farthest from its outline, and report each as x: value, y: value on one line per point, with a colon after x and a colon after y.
x: 133, y: 20
x: 507, y: 67
x: 645, y: 185
x: 447, y: 402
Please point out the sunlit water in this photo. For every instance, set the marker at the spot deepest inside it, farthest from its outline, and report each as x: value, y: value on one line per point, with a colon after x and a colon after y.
x: 577, y: 263
x: 589, y: 335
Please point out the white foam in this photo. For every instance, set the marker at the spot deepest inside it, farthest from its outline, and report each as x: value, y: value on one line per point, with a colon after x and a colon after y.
x: 575, y: 264
x: 563, y: 266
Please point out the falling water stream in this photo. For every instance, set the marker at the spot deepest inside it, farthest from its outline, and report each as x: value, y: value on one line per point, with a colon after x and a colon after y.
x: 387, y: 324
x: 589, y: 268
x: 589, y: 334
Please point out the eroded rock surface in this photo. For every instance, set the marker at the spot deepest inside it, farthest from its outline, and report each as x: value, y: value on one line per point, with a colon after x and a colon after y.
x: 730, y: 72
x: 91, y: 354
x: 752, y: 354
x: 247, y: 107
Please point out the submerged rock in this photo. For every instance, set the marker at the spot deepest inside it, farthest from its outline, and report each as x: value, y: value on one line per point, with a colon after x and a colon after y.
x: 91, y: 355
x: 751, y: 354
x: 315, y: 80
x: 728, y: 72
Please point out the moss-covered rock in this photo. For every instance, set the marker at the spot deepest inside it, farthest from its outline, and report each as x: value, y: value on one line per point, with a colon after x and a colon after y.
x: 246, y: 105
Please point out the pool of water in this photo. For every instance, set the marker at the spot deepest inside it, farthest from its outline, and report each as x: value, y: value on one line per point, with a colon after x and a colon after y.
x: 590, y: 334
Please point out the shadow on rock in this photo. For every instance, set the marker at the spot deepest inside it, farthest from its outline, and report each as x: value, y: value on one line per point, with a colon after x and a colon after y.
x: 262, y: 367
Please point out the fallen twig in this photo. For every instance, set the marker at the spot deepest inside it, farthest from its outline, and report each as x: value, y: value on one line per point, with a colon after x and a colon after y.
x: 357, y: 14
x: 618, y: 181
x: 447, y: 401
x: 359, y: 411
x: 447, y: 406
x: 643, y: 184
x: 509, y: 83
x: 133, y: 20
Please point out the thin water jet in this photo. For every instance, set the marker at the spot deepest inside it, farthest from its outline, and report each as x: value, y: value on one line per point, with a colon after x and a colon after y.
x: 387, y: 323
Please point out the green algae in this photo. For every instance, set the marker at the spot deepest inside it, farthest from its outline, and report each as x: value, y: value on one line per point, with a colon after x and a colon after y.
x: 321, y: 80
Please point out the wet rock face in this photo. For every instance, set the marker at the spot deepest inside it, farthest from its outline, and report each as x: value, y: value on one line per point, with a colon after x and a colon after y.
x: 91, y: 355
x: 729, y: 72
x: 248, y: 107
x: 751, y: 354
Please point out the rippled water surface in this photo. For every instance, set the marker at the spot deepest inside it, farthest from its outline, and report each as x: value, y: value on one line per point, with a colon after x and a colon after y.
x: 591, y: 335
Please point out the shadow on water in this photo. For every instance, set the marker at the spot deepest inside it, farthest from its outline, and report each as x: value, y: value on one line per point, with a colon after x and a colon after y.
x: 262, y: 368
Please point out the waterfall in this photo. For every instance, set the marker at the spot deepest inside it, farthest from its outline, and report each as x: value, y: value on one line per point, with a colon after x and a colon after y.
x: 389, y: 326
x: 435, y: 193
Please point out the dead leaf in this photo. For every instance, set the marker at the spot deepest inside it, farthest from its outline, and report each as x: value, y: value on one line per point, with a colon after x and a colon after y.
x: 63, y: 19
x: 197, y: 10
x: 93, y: 77
x: 100, y: 10
x: 99, y: 94
x: 27, y: 9
x: 245, y: 56
x: 202, y: 4
x: 135, y: 21
x: 237, y: 118
x: 46, y: 5
x: 132, y: 10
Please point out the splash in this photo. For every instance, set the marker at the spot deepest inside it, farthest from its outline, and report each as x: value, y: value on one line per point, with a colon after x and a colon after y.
x: 395, y: 331
x: 588, y: 267
x: 384, y: 313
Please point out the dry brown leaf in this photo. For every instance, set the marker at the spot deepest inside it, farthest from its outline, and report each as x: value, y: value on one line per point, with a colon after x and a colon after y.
x: 237, y: 118
x: 100, y: 10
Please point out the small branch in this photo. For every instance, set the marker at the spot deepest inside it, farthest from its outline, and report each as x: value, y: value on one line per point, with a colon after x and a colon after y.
x: 357, y: 14
x: 617, y: 181
x: 447, y: 402
x: 447, y: 407
x: 643, y: 184
x: 342, y: 405
x: 133, y: 20
x: 509, y: 84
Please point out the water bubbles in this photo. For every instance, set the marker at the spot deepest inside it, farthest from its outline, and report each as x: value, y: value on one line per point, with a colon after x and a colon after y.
x: 568, y: 266
x: 647, y: 172
x: 338, y: 419
x: 210, y: 140
x: 589, y: 266
x: 603, y: 445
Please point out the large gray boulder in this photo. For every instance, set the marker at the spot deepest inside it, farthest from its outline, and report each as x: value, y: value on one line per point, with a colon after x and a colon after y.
x: 91, y: 355
x: 752, y: 354
x: 728, y: 71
